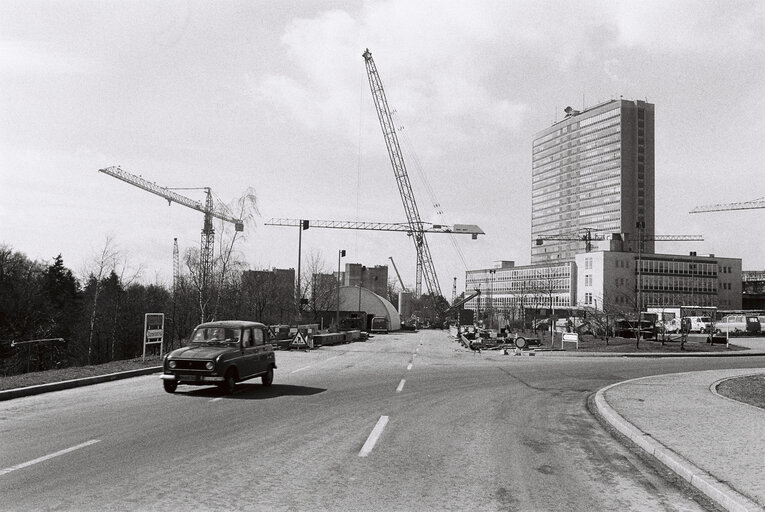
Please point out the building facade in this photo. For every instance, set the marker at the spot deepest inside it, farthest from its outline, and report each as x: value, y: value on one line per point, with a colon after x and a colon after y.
x: 507, y: 290
x: 623, y: 282
x: 594, y: 170
x: 372, y: 278
x: 619, y: 283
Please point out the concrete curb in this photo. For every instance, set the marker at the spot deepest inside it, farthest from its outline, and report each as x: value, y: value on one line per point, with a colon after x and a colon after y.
x: 718, y: 491
x: 74, y: 383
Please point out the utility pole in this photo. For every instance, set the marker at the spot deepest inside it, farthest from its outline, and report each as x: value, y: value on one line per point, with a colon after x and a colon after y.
x: 340, y: 254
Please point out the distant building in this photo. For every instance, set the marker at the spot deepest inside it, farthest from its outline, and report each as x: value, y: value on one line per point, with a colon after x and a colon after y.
x: 625, y: 282
x: 594, y: 169
x: 506, y: 290
x: 753, y: 289
x: 372, y: 278
x: 606, y: 281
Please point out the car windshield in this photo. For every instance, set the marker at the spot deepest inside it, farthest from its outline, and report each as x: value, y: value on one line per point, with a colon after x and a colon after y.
x: 215, y: 335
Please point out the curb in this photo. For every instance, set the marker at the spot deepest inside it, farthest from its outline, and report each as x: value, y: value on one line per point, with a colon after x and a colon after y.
x: 74, y: 383
x: 718, y: 491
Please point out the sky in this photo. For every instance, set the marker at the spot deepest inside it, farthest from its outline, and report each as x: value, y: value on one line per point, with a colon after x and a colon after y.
x: 273, y: 96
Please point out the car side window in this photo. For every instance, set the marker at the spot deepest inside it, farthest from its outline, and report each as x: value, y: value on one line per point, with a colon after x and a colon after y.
x: 247, y: 338
x: 258, y: 336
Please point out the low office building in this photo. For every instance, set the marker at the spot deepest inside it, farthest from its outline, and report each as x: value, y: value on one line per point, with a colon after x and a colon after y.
x: 605, y: 281
x: 507, y: 290
x: 627, y: 282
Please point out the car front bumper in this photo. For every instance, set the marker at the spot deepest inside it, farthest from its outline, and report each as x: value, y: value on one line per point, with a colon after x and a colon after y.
x: 191, y: 379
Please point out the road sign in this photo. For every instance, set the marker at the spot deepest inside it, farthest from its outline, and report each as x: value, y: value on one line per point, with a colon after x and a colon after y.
x: 153, y: 331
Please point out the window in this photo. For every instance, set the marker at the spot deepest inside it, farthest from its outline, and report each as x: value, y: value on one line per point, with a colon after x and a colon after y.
x: 588, y: 279
x: 247, y: 338
x: 587, y: 263
x: 258, y: 336
x: 588, y: 298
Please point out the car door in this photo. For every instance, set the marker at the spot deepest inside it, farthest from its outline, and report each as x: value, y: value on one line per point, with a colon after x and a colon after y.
x: 259, y: 341
x: 250, y: 353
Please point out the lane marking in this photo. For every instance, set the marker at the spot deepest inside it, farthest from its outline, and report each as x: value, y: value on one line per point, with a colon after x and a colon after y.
x: 306, y: 367
x: 400, y: 386
x: 47, y: 457
x: 410, y: 366
x: 374, y: 436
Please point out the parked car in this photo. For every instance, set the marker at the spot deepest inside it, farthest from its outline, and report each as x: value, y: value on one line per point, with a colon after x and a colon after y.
x: 222, y: 353
x: 671, y: 326
x: 700, y: 324
x: 738, y: 324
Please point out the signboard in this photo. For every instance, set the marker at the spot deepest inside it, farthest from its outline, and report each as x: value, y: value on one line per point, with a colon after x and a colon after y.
x: 153, y: 331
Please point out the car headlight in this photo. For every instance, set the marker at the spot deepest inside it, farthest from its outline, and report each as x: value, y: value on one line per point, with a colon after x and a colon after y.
x: 209, y: 365
x: 171, y: 364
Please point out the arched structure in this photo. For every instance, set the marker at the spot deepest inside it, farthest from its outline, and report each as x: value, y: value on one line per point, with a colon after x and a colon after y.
x: 355, y: 299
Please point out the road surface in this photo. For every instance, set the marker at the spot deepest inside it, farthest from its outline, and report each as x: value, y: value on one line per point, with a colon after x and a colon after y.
x: 402, y: 422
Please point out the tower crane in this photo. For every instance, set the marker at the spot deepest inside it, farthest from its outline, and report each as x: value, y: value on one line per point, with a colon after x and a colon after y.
x: 588, y: 237
x: 208, y: 231
x: 744, y: 205
x: 424, y: 260
x: 426, y: 227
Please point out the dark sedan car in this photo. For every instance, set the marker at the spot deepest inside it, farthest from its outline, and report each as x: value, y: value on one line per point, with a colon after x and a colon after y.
x: 222, y: 353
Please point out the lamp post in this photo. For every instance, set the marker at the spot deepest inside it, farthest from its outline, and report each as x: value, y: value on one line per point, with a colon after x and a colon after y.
x: 304, y: 224
x: 491, y: 297
x: 340, y: 254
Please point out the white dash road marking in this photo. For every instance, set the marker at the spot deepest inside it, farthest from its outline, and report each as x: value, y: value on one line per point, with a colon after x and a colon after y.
x: 400, y: 386
x: 410, y: 366
x: 47, y: 457
x: 306, y: 367
x: 374, y: 436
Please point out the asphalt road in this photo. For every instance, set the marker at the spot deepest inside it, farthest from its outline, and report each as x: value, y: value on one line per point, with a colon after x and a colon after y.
x: 402, y: 422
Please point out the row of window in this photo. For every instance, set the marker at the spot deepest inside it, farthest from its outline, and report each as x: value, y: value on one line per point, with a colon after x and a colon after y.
x: 569, y: 142
x: 578, y: 146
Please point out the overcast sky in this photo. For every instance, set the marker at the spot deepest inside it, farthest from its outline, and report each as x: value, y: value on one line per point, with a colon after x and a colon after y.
x: 274, y: 96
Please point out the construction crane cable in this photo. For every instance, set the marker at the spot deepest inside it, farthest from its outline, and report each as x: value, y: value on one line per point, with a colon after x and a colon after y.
x: 413, y: 157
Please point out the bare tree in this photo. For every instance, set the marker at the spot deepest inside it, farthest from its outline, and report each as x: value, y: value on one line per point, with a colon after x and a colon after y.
x: 102, y: 264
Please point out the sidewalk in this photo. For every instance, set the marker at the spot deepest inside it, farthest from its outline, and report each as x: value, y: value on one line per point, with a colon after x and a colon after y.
x: 714, y: 443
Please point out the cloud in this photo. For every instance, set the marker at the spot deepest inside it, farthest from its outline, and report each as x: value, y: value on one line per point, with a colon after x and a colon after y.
x: 688, y: 25
x: 23, y: 58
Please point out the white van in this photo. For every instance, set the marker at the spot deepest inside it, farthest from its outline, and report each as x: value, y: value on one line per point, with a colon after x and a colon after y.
x: 700, y: 324
x: 738, y: 324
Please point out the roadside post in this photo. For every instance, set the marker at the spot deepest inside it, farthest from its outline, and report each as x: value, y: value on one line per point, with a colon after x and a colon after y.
x: 153, y: 331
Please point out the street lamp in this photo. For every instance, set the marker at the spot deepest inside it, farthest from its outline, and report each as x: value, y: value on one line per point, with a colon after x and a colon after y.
x: 304, y: 224
x: 340, y: 254
x: 491, y: 297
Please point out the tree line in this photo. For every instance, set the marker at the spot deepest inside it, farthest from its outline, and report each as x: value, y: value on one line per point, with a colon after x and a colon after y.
x: 100, y: 315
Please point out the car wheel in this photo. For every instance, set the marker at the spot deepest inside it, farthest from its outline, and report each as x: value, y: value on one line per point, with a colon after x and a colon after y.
x: 229, y: 382
x: 170, y: 385
x: 521, y: 342
x: 268, y: 378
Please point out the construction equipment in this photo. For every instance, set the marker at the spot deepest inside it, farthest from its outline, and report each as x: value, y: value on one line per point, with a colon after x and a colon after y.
x: 588, y: 237
x: 745, y: 205
x: 403, y: 287
x: 424, y: 260
x: 208, y: 231
x: 426, y: 227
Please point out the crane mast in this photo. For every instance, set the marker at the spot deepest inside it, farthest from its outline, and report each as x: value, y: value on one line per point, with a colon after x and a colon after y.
x: 425, y: 266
